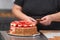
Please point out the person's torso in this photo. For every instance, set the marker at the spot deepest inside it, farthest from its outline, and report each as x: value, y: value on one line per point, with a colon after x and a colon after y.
x: 40, y: 7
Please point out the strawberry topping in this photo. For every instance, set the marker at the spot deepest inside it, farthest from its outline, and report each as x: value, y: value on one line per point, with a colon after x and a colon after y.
x: 21, y: 24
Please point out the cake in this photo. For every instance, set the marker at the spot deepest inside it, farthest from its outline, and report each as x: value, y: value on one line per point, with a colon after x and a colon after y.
x: 22, y: 28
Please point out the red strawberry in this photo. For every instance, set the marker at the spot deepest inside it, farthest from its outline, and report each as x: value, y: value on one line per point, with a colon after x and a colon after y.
x: 16, y: 25
x: 19, y: 25
x: 22, y: 22
x: 30, y: 25
x: 25, y: 25
x: 13, y: 24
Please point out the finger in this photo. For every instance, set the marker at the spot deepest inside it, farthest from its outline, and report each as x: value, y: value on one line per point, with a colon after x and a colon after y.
x: 38, y: 20
x: 27, y: 19
x: 45, y: 23
x: 42, y: 22
x: 33, y: 19
x: 44, y: 18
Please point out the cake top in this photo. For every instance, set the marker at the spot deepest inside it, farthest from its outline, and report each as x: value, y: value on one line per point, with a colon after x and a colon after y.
x: 22, y: 24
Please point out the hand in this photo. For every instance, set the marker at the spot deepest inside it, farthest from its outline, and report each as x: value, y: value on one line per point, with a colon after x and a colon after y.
x: 32, y: 20
x: 46, y: 20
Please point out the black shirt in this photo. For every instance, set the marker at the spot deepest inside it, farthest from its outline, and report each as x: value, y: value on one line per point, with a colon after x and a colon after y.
x: 40, y: 8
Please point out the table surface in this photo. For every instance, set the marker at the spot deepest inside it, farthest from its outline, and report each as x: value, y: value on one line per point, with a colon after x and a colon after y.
x: 51, y: 34
x: 5, y: 36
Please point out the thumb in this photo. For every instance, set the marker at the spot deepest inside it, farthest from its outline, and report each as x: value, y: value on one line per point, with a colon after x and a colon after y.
x: 33, y: 19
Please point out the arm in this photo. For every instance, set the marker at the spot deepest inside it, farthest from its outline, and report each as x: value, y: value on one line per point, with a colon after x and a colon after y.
x: 56, y: 17
x: 17, y: 11
x: 46, y: 20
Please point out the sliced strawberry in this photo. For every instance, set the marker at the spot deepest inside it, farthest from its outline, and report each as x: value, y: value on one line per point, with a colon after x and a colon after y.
x: 25, y: 25
x: 19, y: 25
x: 22, y: 22
x: 16, y: 26
x: 30, y: 25
x: 13, y: 24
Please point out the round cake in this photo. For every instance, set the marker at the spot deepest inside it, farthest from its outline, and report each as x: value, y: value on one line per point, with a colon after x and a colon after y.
x: 22, y: 28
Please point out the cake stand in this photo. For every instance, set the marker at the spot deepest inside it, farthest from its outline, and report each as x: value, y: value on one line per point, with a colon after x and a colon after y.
x: 6, y: 36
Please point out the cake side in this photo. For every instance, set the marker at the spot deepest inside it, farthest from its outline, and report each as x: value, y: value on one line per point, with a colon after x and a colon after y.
x: 24, y: 31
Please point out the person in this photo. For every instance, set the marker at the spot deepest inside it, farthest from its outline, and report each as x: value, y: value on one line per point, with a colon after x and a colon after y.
x: 47, y: 11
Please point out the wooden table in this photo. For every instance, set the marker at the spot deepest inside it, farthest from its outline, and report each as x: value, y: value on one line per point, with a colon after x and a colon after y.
x: 51, y: 34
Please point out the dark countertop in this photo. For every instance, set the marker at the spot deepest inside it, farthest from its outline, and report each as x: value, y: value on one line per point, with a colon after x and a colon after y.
x: 5, y: 10
x: 0, y: 36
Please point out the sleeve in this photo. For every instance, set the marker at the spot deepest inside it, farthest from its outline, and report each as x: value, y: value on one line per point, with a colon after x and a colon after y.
x: 19, y: 2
